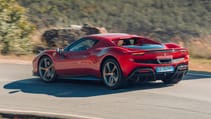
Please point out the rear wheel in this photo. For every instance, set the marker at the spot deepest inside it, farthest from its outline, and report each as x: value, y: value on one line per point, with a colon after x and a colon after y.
x: 46, y: 69
x: 112, y: 74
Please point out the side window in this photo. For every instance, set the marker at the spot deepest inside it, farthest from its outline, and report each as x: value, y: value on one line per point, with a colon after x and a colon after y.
x: 82, y: 45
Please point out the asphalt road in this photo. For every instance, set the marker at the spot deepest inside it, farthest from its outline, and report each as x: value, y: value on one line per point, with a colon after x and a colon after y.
x: 21, y: 92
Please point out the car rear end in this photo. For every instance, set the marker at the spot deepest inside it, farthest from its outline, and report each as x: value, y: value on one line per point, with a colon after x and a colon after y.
x: 163, y: 63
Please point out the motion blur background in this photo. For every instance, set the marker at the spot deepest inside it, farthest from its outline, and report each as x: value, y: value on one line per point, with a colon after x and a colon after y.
x: 186, y: 22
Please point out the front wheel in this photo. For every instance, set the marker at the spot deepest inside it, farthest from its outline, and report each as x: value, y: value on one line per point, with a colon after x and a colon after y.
x: 46, y: 69
x: 112, y: 74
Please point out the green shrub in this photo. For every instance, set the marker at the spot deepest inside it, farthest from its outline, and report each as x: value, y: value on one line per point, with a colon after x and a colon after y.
x: 14, y: 29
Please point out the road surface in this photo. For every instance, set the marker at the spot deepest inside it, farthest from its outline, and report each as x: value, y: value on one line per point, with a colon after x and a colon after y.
x: 21, y: 92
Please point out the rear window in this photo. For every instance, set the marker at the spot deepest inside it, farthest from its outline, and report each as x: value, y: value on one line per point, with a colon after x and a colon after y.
x: 139, y: 43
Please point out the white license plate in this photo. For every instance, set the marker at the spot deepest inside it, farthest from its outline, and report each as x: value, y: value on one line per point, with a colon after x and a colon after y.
x: 165, y: 69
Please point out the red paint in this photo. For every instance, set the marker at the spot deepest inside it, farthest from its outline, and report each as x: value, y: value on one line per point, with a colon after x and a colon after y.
x: 88, y: 62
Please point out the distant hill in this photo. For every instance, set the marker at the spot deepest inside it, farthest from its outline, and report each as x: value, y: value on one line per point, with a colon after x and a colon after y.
x: 164, y: 19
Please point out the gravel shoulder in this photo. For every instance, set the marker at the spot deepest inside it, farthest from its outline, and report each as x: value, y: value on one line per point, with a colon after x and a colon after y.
x: 11, y: 59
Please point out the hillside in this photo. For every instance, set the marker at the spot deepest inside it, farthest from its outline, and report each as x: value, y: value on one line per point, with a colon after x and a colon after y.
x: 164, y: 19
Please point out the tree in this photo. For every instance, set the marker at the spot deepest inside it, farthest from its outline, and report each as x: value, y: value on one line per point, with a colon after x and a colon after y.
x: 14, y: 28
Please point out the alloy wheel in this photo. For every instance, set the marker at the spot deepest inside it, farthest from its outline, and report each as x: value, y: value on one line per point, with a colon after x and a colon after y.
x: 46, y: 69
x: 111, y: 73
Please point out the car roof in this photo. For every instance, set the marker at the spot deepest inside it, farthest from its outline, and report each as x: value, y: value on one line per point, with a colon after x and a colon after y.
x: 112, y: 36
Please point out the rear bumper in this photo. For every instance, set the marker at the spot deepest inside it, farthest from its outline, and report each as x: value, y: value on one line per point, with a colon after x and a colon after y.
x: 148, y: 74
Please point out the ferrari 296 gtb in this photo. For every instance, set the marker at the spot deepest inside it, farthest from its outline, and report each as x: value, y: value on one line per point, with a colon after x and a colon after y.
x: 114, y: 58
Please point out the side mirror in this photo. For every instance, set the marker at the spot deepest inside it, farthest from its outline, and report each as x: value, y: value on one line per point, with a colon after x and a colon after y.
x: 59, y: 51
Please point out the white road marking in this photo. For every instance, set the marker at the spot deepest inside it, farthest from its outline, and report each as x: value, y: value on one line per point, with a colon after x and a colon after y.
x: 48, y: 114
x: 4, y: 80
x: 9, y: 61
x: 196, y: 74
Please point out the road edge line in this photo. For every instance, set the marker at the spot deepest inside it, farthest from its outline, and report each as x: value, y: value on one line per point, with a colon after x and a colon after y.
x: 196, y: 74
x: 44, y: 114
x: 8, y: 61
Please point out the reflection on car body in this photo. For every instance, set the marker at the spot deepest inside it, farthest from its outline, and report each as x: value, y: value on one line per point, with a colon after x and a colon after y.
x: 114, y: 58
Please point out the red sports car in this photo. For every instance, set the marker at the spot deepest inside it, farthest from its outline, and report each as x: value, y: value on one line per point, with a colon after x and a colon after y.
x: 115, y: 58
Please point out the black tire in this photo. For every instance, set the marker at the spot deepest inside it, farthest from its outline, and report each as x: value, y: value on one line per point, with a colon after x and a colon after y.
x: 112, y: 74
x: 175, y: 79
x: 46, y: 69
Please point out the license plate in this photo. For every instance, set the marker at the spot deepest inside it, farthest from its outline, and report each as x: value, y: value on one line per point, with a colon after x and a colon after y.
x: 165, y: 69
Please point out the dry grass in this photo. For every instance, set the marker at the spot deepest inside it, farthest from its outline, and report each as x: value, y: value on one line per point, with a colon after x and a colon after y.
x: 200, y: 47
x: 200, y: 64
x: 15, y: 57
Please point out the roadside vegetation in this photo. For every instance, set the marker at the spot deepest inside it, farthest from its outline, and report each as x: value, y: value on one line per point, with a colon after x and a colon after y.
x: 14, y: 28
x: 161, y: 19
x: 186, y: 22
